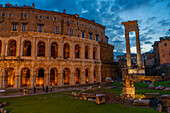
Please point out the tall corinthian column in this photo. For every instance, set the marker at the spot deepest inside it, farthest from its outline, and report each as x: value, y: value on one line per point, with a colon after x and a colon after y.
x: 128, y: 55
x: 139, y: 60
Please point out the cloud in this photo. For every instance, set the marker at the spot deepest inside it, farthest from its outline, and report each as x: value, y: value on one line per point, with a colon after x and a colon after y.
x: 148, y: 42
x: 164, y: 22
x: 151, y: 19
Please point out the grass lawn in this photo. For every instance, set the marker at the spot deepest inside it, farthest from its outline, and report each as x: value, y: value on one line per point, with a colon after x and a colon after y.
x: 65, y: 103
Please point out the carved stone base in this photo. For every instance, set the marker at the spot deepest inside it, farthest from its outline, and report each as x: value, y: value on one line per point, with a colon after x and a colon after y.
x: 129, y: 92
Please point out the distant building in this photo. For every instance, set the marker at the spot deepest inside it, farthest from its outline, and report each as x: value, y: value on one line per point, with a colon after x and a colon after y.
x: 161, y: 50
x: 150, y: 60
x: 164, y: 52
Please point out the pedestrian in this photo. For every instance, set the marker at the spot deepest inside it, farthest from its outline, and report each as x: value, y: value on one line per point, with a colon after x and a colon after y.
x: 46, y: 89
x: 34, y: 89
x: 43, y: 89
x: 51, y: 88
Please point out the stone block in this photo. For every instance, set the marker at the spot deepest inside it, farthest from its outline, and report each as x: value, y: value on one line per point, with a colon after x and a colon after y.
x: 141, y: 102
x: 4, y: 103
x: 136, y: 71
x: 151, y: 86
x: 128, y: 90
x: 166, y: 89
x: 165, y: 100
x: 160, y: 87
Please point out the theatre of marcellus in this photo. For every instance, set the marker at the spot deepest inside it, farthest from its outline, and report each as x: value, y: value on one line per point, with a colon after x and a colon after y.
x: 44, y: 48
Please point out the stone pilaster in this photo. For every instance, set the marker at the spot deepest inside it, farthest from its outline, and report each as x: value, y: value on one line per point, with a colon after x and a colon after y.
x: 60, y: 50
x: 6, y: 48
x: 72, y: 77
x: 17, y: 79
x: 71, y: 50
x: 33, y: 48
x: 128, y: 55
x: 18, y: 47
x: 46, y: 78
x: 91, y: 51
x: 99, y: 74
x: 3, y: 49
x: 60, y: 76
x: 139, y: 60
x: 82, y: 76
x: 82, y: 51
x: 91, y: 78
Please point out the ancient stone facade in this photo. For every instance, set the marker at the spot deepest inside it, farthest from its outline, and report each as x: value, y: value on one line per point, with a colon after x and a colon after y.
x: 43, y: 48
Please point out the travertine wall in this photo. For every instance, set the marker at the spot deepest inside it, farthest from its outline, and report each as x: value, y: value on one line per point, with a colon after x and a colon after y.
x: 33, y: 62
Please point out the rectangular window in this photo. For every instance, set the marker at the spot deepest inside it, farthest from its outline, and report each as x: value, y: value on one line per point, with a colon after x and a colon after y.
x: 68, y: 22
x: 24, y: 27
x: 82, y: 34
x: 3, y: 14
x: 56, y: 30
x: 70, y: 32
x: 97, y: 37
x: 54, y: 18
x: 90, y: 36
x: 14, y: 27
x: 40, y: 28
x: 102, y: 39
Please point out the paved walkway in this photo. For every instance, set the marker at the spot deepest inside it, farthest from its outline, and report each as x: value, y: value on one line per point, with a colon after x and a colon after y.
x: 55, y: 91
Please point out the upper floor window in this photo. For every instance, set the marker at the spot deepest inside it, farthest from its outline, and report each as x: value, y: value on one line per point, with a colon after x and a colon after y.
x: 25, y: 15
x: 40, y: 28
x: 97, y: 36
x: 78, y: 28
x: 82, y: 34
x: 3, y: 14
x: 24, y: 27
x: 70, y: 32
x: 165, y: 44
x: 14, y: 27
x: 68, y: 22
x: 89, y: 26
x: 90, y: 36
x: 40, y: 17
x: 82, y: 24
x: 77, y: 23
x: 47, y: 17
x: 54, y: 18
x: 10, y: 15
x: 56, y: 30
x: 102, y: 39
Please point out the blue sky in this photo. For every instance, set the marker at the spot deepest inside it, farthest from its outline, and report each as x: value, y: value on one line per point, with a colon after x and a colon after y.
x: 153, y: 17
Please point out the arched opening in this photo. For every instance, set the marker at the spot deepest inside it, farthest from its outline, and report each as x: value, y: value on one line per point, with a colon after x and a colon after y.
x: 54, y: 50
x: 53, y: 77
x: 27, y: 48
x: 12, y: 48
x: 66, y: 51
x: 40, y: 77
x: 9, y: 77
x: 87, y: 75
x: 87, y: 52
x: 66, y: 76
x: 94, y: 53
x: 95, y: 75
x: 77, y: 51
x: 0, y: 47
x: 41, y: 49
x: 25, y: 77
x: 77, y: 76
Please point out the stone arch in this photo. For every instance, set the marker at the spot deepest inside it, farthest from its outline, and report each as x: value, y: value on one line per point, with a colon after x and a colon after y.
x: 54, y: 50
x: 66, y: 51
x: 41, y: 49
x: 77, y: 76
x: 25, y: 77
x: 53, y: 76
x: 87, y: 52
x: 77, y: 51
x: 87, y: 75
x: 66, y: 76
x: 94, y: 52
x: 40, y: 77
x: 27, y: 48
x: 11, y: 47
x: 9, y: 77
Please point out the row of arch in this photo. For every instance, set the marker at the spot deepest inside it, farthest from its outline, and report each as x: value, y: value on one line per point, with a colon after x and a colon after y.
x: 41, y: 78
x: 54, y: 49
